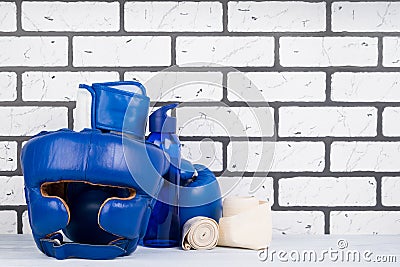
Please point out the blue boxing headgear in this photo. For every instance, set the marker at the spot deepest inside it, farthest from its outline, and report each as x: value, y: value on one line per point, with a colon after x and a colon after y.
x: 79, y: 182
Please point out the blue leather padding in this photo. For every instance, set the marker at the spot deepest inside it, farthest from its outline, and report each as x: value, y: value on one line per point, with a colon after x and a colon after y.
x: 203, y: 189
x: 39, y: 209
x: 98, y: 158
x: 85, y: 251
x: 110, y: 106
x: 90, y: 156
x: 130, y: 210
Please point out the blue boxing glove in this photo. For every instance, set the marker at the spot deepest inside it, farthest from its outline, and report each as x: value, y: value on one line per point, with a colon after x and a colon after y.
x: 200, y: 194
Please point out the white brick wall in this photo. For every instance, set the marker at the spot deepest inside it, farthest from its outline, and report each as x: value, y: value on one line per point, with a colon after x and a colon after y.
x: 365, y: 156
x: 276, y: 157
x: 20, y: 121
x: 8, y: 156
x: 33, y: 51
x: 365, y: 222
x: 391, y: 52
x: 328, y: 51
x: 297, y: 222
x: 123, y: 51
x: 180, y: 86
x: 8, y: 17
x: 390, y: 194
x: 8, y: 85
x: 26, y: 228
x: 12, y: 190
x: 259, y: 187
x: 327, y: 121
x: 79, y: 16
x: 248, y: 16
x: 59, y: 86
x: 206, y: 152
x: 327, y: 191
x: 366, y: 87
x: 232, y: 51
x: 390, y: 119
x: 276, y: 86
x: 225, y: 121
x: 8, y: 222
x: 173, y: 16
x: 366, y: 17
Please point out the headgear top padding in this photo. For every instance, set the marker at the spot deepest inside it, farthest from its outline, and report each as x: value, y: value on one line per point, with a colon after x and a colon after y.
x: 79, y: 182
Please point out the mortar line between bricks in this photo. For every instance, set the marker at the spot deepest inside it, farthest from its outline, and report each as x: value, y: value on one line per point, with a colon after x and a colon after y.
x: 70, y: 51
x: 379, y: 126
x: 173, y: 50
x: 380, y: 51
x: 122, y: 17
x: 19, y: 87
x: 18, y: 159
x: 18, y: 5
x: 199, y: 69
x: 327, y: 144
x: 225, y: 16
x: 22, y: 33
x: 378, y: 180
x: 327, y: 222
x: 222, y: 1
x: 277, y: 63
x: 328, y: 19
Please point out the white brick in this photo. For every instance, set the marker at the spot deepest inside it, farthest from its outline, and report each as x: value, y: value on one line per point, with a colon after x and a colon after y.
x: 260, y: 187
x: 365, y: 156
x: 327, y: 121
x: 276, y: 86
x: 327, y: 191
x: 225, y: 121
x: 180, y: 86
x: 12, y: 190
x: 366, y: 87
x: 232, y: 51
x: 26, y: 228
x: 8, y: 86
x: 21, y: 121
x: 206, y: 152
x: 298, y: 222
x: 390, y: 191
x: 8, y: 17
x: 173, y: 16
x: 70, y: 16
x: 328, y: 51
x: 390, y: 120
x: 249, y: 16
x: 276, y: 156
x: 366, y: 17
x: 33, y: 51
x: 365, y: 222
x: 391, y: 52
x: 59, y: 86
x: 123, y: 51
x: 8, y: 222
x: 8, y: 156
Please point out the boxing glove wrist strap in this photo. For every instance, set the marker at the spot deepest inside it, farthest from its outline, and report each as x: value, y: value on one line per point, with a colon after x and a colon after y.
x: 55, y: 248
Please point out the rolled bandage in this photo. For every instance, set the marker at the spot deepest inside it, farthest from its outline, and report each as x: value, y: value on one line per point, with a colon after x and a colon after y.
x: 246, y: 223
x: 200, y: 233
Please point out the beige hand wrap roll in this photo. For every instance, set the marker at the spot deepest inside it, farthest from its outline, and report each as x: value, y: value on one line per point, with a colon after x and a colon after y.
x: 200, y: 233
x: 246, y: 223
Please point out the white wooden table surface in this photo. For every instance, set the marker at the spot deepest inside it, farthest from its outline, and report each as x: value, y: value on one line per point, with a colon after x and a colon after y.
x: 20, y: 250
